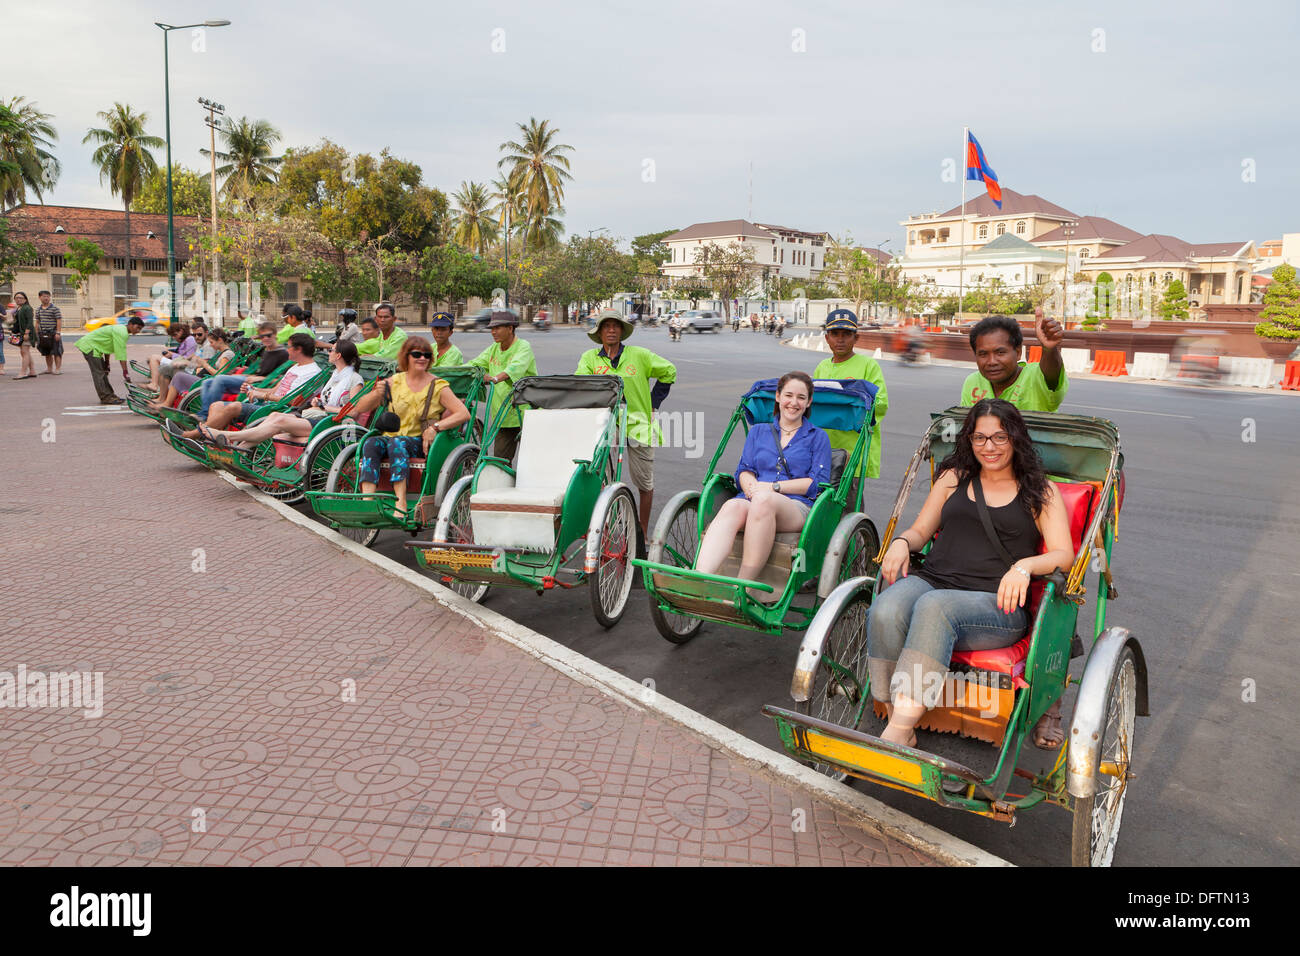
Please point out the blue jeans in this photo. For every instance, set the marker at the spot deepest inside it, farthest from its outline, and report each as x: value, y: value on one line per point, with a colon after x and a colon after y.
x: 399, y: 449
x: 213, y: 388
x: 913, y: 628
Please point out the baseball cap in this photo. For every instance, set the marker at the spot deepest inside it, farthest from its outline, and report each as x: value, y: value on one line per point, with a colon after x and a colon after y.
x: 441, y: 320
x: 841, y: 319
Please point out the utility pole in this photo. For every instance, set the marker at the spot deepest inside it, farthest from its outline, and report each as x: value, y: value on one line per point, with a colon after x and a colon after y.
x: 1068, y: 229
x: 218, y: 301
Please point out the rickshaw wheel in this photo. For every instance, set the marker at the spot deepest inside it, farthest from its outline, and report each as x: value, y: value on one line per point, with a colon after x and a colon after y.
x: 460, y: 531
x: 611, y: 582
x: 262, y: 458
x: 1097, y: 818
x: 859, y: 558
x: 343, y: 480
x: 840, y: 696
x: 459, y: 463
x: 676, y: 543
x: 316, y: 469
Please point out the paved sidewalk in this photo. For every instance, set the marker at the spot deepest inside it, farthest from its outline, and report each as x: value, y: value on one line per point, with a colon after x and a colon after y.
x: 229, y: 641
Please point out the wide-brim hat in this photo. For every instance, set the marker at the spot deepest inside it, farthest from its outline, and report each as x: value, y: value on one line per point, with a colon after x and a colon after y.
x: 841, y: 319
x: 604, y: 314
x: 441, y: 320
x: 502, y: 317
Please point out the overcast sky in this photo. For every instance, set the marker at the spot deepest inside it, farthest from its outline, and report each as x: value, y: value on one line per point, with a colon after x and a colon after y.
x: 1140, y: 112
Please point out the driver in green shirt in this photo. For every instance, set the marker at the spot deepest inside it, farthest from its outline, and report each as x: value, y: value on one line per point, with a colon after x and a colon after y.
x: 504, y: 362
x: 388, y: 343
x: 1032, y: 387
x: 841, y: 333
x: 440, y: 327
x: 636, y: 366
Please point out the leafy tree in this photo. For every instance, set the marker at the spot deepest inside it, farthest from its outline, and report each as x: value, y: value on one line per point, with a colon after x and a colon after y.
x: 12, y: 253
x: 853, y: 271
x: 693, y: 288
x: 536, y: 169
x: 123, y: 158
x: 246, y: 161
x: 1281, y: 312
x: 452, y: 275
x: 191, y: 193
x: 25, y: 158
x: 1103, y: 297
x: 728, y: 269
x: 83, y: 258
x: 475, y: 223
x: 1174, y: 304
x: 649, y: 252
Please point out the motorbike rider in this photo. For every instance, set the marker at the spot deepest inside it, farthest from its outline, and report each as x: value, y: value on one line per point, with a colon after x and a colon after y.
x: 347, y: 330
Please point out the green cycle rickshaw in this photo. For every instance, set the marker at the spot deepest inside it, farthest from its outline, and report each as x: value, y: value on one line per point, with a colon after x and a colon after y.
x: 561, y: 516
x: 995, y: 695
x: 838, y: 540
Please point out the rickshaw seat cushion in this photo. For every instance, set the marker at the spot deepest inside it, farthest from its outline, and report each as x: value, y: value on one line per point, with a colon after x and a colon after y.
x: 550, y: 441
x: 1005, y: 660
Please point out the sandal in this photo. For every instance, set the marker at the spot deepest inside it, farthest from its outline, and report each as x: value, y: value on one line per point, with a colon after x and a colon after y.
x: 1048, y: 734
x: 207, y: 435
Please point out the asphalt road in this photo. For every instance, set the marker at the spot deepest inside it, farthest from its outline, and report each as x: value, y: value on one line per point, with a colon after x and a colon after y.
x: 1205, y: 567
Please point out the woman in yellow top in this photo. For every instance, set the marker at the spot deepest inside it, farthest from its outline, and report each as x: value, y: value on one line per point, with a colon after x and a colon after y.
x: 424, y: 406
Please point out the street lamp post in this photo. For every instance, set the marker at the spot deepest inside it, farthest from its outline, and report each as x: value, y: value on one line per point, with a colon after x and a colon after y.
x: 167, y: 28
x: 1068, y: 229
x: 219, y: 300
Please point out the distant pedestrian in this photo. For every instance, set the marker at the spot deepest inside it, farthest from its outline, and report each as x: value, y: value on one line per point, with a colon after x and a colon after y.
x: 99, y: 345
x: 49, y: 334
x: 24, y: 335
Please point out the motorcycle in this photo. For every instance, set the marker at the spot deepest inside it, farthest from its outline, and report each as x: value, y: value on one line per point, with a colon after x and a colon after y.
x: 735, y: 325
x: 674, y: 333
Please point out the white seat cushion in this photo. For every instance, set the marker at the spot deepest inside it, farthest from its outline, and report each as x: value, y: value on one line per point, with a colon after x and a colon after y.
x: 527, y: 516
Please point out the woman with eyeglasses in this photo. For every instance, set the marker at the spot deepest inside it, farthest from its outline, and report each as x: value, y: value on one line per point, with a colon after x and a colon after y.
x: 424, y: 406
x: 181, y: 381
x: 966, y: 596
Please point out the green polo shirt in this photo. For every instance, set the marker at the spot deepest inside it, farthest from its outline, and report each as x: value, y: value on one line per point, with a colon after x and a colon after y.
x: 248, y: 325
x: 636, y: 366
x: 517, y: 362
x: 864, y: 369
x: 1029, y: 392
x: 450, y: 357
x: 283, y: 335
x: 106, y: 340
x: 383, y: 347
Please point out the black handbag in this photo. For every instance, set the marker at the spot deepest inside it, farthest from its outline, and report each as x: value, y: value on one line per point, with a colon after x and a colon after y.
x: 388, y: 421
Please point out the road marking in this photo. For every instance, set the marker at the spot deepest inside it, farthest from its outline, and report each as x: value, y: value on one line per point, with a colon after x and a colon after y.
x: 1131, y: 411
x: 868, y: 812
x: 95, y: 409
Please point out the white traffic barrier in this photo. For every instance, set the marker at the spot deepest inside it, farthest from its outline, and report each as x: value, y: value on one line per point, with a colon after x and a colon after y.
x: 1076, y: 360
x: 1248, y: 372
x: 877, y: 353
x: 1152, y: 365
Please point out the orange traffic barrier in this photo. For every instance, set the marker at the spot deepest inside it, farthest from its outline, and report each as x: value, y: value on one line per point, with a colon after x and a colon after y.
x: 1291, y: 379
x: 1109, y: 363
x: 1035, y: 353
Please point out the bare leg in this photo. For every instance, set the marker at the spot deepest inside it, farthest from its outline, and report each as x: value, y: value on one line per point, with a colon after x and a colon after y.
x: 721, y: 535
x: 647, y: 500
x: 905, y: 715
x: 155, y: 377
x: 769, y: 514
x: 165, y: 401
x: 220, y: 415
x: 267, y: 428
x: 399, y: 490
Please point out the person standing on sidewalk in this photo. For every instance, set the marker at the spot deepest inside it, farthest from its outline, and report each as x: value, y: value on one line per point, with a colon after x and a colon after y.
x: 1031, y: 387
x: 25, y: 332
x: 505, y: 361
x: 636, y: 366
x: 440, y: 327
x: 98, y: 346
x: 49, y: 334
x: 841, y: 333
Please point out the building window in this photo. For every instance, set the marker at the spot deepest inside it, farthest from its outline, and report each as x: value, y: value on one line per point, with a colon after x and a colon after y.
x: 984, y: 232
x: 1002, y: 227
x: 943, y: 235
x: 58, y: 262
x: 1084, y: 254
x: 774, y: 253
x: 62, y: 287
x: 120, y: 287
x: 291, y: 291
x: 120, y: 263
x: 813, y: 261
x: 151, y: 265
x: 30, y: 263
x: 1020, y: 228
x: 911, y: 238
x: 782, y: 257
x: 1169, y: 277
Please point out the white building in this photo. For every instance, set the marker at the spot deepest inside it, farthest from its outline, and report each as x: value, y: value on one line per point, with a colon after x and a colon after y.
x: 783, y: 252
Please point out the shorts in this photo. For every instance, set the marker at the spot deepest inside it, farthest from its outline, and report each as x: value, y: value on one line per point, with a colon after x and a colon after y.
x: 246, y: 409
x: 803, y: 507
x: 49, y: 347
x: 641, y: 465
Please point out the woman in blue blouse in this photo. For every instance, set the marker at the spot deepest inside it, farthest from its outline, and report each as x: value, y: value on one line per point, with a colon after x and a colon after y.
x: 780, y: 474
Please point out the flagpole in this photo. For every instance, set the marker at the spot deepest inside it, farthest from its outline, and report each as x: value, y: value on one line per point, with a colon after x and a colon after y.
x: 961, y: 269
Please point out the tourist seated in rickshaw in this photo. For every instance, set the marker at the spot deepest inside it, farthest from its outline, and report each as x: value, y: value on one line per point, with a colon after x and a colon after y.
x: 422, y: 406
x: 301, y: 349
x: 180, y: 379
x: 272, y: 357
x: 341, y: 388
x: 779, y: 476
x: 989, y: 510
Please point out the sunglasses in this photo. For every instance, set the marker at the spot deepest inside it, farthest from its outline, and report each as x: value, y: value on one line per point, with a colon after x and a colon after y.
x: 417, y: 354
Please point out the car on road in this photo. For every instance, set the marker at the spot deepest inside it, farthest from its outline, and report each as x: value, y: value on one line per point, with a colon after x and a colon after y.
x: 153, y: 322
x: 698, y: 320
x: 478, y: 322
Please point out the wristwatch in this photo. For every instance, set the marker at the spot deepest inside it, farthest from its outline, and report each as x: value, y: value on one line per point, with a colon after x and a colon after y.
x: 776, y: 486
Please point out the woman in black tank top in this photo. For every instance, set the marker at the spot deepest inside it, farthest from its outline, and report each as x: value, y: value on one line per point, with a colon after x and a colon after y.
x: 968, y: 595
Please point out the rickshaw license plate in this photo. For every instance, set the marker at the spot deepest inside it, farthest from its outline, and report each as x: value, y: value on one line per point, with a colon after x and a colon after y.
x: 855, y: 755
x: 456, y: 559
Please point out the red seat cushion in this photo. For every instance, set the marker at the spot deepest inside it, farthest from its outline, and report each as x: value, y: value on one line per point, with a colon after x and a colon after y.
x: 1004, y: 660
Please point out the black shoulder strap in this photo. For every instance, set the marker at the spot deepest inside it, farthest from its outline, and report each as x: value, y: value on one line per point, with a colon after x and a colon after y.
x: 987, y: 521
x: 780, y: 452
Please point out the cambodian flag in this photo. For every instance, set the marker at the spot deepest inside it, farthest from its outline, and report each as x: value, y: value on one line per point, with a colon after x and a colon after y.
x: 977, y: 167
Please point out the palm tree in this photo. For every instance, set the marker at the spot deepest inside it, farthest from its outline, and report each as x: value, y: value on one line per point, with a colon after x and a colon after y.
x: 536, y: 168
x: 124, y: 159
x: 475, y: 225
x: 247, y: 158
x: 25, y: 158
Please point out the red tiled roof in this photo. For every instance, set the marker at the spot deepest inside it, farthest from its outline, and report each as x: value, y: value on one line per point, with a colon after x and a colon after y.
x: 107, y: 227
x: 1091, y: 228
x: 1013, y: 204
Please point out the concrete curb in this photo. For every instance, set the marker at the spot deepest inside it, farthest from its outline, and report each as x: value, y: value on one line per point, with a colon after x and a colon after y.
x: 870, y: 813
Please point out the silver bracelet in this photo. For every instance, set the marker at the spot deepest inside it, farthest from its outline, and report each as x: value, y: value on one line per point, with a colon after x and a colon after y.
x: 1016, y: 567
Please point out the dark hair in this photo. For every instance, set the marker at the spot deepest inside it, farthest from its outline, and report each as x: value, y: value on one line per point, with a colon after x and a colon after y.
x: 996, y: 323
x: 180, y: 331
x: 304, y: 342
x: 291, y: 311
x: 1025, y: 463
x: 348, y: 351
x: 369, y: 320
x: 306, y: 314
x: 414, y: 342
x: 135, y: 320
x: 388, y: 306
x: 784, y: 380
x: 219, y: 333
x: 24, y: 295
x: 44, y: 292
x: 267, y: 327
